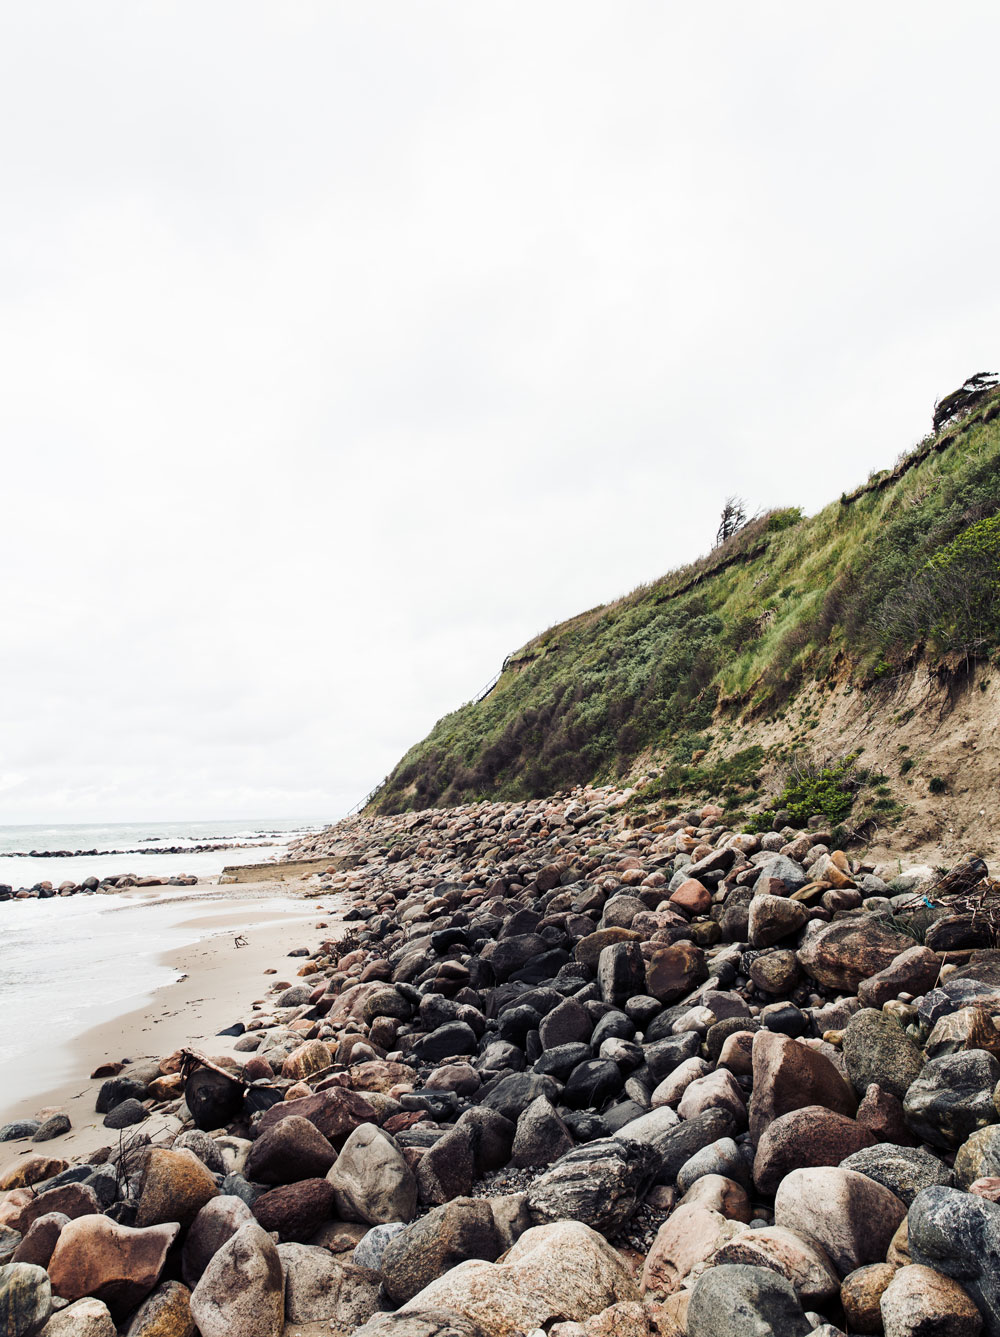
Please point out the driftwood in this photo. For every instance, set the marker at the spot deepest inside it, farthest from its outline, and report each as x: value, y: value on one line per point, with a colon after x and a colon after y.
x: 191, y: 1059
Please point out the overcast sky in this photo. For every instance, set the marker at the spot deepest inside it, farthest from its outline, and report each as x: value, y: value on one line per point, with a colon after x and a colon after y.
x: 345, y: 346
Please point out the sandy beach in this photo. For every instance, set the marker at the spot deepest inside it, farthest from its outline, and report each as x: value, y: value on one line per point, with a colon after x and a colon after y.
x: 220, y: 984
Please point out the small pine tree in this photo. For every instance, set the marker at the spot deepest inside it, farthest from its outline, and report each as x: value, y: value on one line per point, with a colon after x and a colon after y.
x: 734, y: 517
x: 966, y: 397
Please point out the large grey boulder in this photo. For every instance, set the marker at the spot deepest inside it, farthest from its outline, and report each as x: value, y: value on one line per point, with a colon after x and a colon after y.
x: 242, y: 1290
x: 319, y: 1288
x: 462, y: 1229
x: 371, y: 1179
x: 25, y: 1299
x: 877, y: 1049
x: 959, y: 1234
x: 734, y: 1300
x: 600, y: 1183
x: 953, y: 1097
x: 902, y: 1170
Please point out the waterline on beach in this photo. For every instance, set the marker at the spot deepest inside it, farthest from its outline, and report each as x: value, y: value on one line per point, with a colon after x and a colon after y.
x: 71, y: 965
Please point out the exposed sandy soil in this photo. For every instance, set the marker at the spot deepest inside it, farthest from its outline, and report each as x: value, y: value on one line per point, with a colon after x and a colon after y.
x: 950, y: 733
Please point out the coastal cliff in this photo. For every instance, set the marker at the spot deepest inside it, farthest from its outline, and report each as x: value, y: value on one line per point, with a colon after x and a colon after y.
x: 870, y: 628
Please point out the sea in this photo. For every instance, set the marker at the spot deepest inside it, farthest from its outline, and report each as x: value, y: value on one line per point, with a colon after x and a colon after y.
x: 69, y: 963
x: 19, y: 867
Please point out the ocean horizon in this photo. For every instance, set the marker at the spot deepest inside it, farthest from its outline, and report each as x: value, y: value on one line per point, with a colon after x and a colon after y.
x: 26, y: 848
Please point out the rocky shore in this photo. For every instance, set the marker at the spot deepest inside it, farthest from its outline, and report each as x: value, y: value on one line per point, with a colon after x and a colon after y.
x: 562, y: 1076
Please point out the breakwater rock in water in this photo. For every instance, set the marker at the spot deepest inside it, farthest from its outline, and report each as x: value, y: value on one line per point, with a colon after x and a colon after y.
x: 145, y: 849
x: 562, y: 1077
x: 90, y: 885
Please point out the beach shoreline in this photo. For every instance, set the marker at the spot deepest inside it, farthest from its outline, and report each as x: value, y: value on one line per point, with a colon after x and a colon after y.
x: 219, y: 984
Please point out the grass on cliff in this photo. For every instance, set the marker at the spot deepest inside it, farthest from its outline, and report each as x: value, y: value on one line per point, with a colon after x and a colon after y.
x: 907, y: 564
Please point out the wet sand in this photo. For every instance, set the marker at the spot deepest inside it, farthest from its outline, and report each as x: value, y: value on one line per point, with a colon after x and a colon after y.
x: 220, y: 985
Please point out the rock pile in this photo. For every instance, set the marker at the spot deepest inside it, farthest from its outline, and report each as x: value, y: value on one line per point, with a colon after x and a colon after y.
x: 45, y: 890
x: 562, y: 1077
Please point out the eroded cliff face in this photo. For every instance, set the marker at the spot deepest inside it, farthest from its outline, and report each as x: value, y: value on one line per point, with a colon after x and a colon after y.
x: 921, y: 726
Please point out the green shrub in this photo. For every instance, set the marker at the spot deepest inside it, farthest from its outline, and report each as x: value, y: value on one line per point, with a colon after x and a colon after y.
x: 811, y: 790
x: 937, y: 785
x: 779, y: 520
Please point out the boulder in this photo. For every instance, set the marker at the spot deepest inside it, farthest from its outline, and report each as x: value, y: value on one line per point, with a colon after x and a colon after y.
x: 599, y: 1183
x: 117, y: 1264
x: 848, y: 951
x: 336, y: 1112
x: 882, y: 1114
x: 798, y: 1259
x: 288, y: 1151
x: 913, y: 971
x: 920, y: 1302
x: 447, y: 1169
x: 677, y: 1144
x: 164, y: 1313
x: 861, y: 1296
x: 217, y: 1222
x: 850, y: 1216
x: 717, y: 1090
x: 428, y: 1322
x: 32, y: 1170
x: 734, y: 1299
x: 126, y: 1114
x: 541, y: 1136
x: 722, y: 1157
x: 492, y: 1136
x: 877, y: 1049
x: 773, y: 918
x: 20, y: 1128
x: 39, y: 1243
x: 204, y: 1147
x: 564, y: 1270
x: 371, y: 1179
x: 25, y: 1299
x: 690, y: 1235
x: 451, y: 1040
x: 117, y: 1090
x: 968, y: 1028
x: 311, y: 1057
x: 72, y: 1200
x: 373, y: 1243
x: 958, y: 1234
x: 515, y: 1092
x: 175, y: 1187
x: 789, y: 1075
x: 321, y: 1289
x: 295, y: 1211
x: 977, y: 1158
x: 84, y: 1318
x: 777, y: 971
x: 621, y: 972
x: 434, y: 1244
x: 720, y: 1194
x: 804, y: 1137
x: 953, y: 1097
x: 242, y: 1291
x: 904, y: 1171
x: 674, y: 971
x: 568, y: 1023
